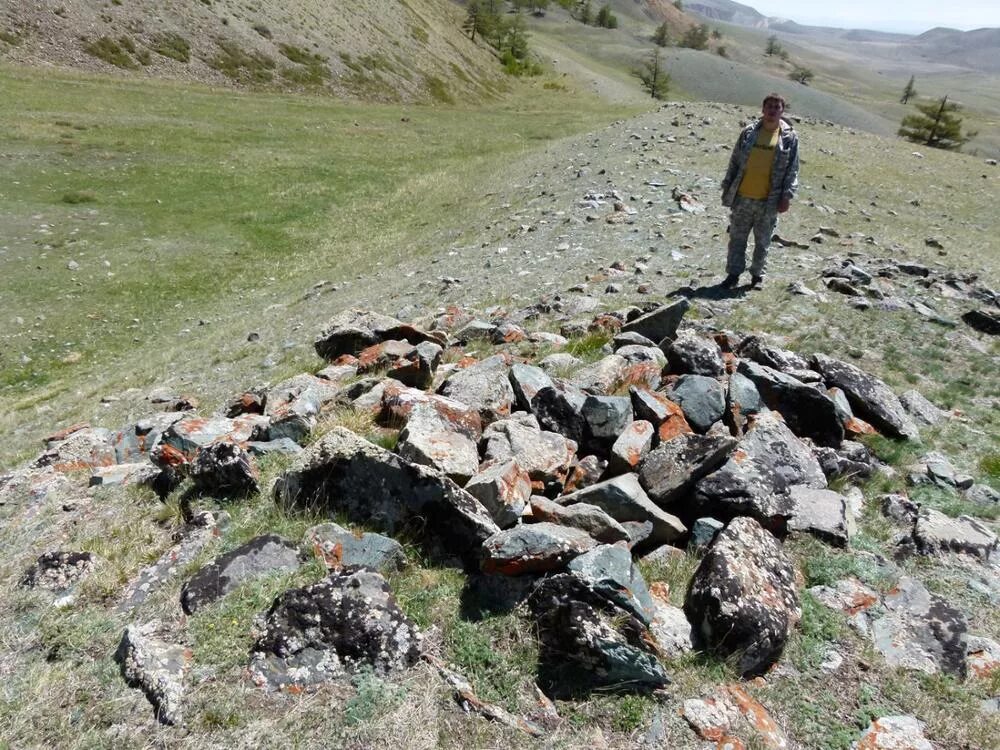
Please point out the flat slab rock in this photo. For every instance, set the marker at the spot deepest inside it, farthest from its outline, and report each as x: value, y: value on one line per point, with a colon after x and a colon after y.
x: 731, y: 717
x: 936, y: 532
x: 895, y: 733
x: 265, y: 554
x: 346, y: 622
x: 534, y: 548
x: 342, y: 548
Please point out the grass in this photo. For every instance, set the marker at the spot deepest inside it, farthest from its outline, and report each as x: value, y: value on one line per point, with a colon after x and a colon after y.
x: 173, y: 46
x: 179, y: 232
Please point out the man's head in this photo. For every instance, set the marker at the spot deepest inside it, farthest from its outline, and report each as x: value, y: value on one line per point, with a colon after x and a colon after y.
x: 772, y: 109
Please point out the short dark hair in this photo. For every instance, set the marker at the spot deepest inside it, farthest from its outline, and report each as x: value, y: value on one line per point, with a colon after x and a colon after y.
x: 773, y: 97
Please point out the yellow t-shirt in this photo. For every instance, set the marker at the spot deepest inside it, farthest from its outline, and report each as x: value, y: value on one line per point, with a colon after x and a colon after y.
x: 756, y: 181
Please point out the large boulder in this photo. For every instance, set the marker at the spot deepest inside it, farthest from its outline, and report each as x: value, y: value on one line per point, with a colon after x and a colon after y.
x: 661, y: 323
x: 559, y: 408
x: 822, y: 513
x: 545, y: 455
x: 224, y: 468
x: 582, y: 516
x: 397, y: 402
x: 534, y: 548
x: 742, y: 599
x: 666, y: 417
x: 344, y: 473
x: 504, y: 489
x: 693, y: 354
x: 935, y: 532
x: 430, y: 439
x: 260, y: 556
x: 702, y: 398
x: 870, y: 398
x: 155, y: 666
x: 609, y: 571
x: 347, y: 622
x: 772, y: 445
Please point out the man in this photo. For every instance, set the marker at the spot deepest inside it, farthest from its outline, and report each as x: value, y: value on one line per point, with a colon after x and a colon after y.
x: 760, y: 183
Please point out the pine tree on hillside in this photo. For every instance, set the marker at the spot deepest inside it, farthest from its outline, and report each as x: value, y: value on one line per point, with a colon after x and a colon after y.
x: 937, y: 126
x: 654, y: 76
x: 662, y: 36
x: 909, y: 92
x: 773, y: 46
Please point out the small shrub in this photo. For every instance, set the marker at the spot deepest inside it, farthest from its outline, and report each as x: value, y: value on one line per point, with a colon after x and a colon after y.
x: 253, y: 67
x: 301, y: 56
x: 9, y: 37
x: 262, y: 30
x: 108, y: 50
x: 438, y: 90
x: 990, y: 466
x: 374, y: 697
x: 173, y: 46
x: 420, y: 34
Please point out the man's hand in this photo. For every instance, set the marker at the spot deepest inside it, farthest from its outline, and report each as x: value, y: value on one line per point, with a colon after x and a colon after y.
x: 783, y: 205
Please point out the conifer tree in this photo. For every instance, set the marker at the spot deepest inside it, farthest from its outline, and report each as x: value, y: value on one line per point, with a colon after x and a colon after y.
x: 936, y: 126
x: 909, y: 92
x: 654, y: 76
x: 662, y: 36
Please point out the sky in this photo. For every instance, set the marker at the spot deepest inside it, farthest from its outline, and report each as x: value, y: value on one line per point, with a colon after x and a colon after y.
x: 908, y: 16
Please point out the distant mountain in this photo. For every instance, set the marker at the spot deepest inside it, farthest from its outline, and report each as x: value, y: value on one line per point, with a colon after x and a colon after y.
x: 978, y: 49
x: 727, y: 11
x: 364, y: 49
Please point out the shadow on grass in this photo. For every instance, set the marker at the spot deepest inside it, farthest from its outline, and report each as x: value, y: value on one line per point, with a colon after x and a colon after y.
x: 713, y: 292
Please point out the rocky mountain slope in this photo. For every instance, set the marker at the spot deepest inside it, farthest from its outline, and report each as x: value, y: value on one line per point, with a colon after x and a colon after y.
x: 373, y: 50
x: 583, y: 442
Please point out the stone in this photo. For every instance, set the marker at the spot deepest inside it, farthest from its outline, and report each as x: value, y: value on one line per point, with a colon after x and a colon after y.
x: 941, y: 472
x: 429, y: 439
x: 397, y: 402
x: 703, y: 532
x: 582, y: 516
x: 533, y: 548
x: 294, y: 405
x: 935, y: 532
x: 341, y: 548
x: 860, y: 604
x: 870, y: 398
x: 984, y: 321
x: 922, y: 411
x: 195, y: 537
x: 560, y: 363
x: 224, y: 468
x: 899, y: 508
x: 485, y: 386
x: 731, y: 718
x: 670, y: 627
x: 605, y: 419
x: 560, y: 409
x: 895, y: 733
x: 345, y: 623
x: 921, y: 631
x: 756, y: 349
x: 608, y: 570
x: 545, y: 455
x: 666, y: 417
x: 344, y: 473
x: 631, y: 447
x: 156, y: 667
x: 807, y: 410
x: 504, y: 489
x: 742, y: 599
x: 742, y: 486
x: 350, y: 331
x: 624, y: 499
x: 527, y: 380
x: 673, y: 468
x: 123, y: 475
x: 693, y: 354
x: 411, y: 365
x: 822, y: 513
x: 852, y: 460
x: 59, y: 572
x: 702, y: 399
x: 281, y: 446
x: 983, y: 657
x: 648, y: 353
x: 80, y: 450
x: 982, y: 494
x: 603, y: 376
x: 260, y: 556
x: 135, y: 442
x: 587, y: 642
x: 743, y: 400
x: 190, y: 434
x: 661, y: 323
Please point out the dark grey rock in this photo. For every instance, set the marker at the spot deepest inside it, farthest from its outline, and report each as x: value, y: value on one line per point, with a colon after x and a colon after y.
x: 224, y: 468
x: 808, y: 411
x: 702, y: 399
x: 920, y: 409
x: 430, y: 439
x: 347, y: 622
x: 822, y: 513
x: 586, y: 641
x: 661, y: 323
x: 870, y: 398
x: 485, y: 386
x: 984, y: 321
x: 899, y: 508
x: 608, y: 570
x: 773, y: 446
x: 260, y: 556
x: 582, y: 516
x: 703, y: 532
x: 605, y: 418
x: 351, y: 331
x: 545, y: 455
x: 672, y: 469
x: 982, y: 494
x: 936, y: 532
x: 742, y: 599
x: 783, y: 360
x: 527, y: 380
x: 560, y: 409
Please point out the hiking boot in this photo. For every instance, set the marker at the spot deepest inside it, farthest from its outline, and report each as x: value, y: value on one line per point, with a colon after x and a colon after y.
x: 730, y: 281
x: 757, y: 282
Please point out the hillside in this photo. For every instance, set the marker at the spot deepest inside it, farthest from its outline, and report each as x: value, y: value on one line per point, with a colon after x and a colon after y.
x: 192, y: 246
x: 376, y: 50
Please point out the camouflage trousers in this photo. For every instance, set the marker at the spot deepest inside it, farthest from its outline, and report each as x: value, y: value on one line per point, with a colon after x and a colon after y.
x: 750, y: 214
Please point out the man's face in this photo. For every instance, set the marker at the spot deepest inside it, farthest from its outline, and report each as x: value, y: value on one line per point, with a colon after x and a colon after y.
x: 772, y: 111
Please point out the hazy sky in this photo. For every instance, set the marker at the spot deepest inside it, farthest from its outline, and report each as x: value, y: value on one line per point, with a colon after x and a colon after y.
x: 910, y: 16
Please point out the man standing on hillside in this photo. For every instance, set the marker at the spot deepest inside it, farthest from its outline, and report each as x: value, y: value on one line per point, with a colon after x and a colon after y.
x: 760, y: 183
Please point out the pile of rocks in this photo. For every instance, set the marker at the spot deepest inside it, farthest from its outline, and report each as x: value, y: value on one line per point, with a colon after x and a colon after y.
x: 544, y: 479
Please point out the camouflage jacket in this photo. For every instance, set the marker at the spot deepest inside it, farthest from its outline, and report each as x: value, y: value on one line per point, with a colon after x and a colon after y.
x: 784, y: 170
